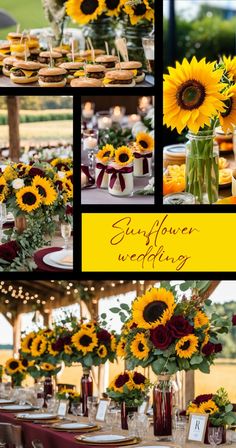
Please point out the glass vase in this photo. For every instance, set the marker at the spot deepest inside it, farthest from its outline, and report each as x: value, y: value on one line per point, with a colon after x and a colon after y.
x: 202, y: 169
x: 120, y: 180
x: 20, y: 223
x: 48, y: 389
x: 99, y: 31
x: 162, y: 407
x: 125, y: 411
x: 206, y: 440
x: 86, y: 390
x: 134, y: 35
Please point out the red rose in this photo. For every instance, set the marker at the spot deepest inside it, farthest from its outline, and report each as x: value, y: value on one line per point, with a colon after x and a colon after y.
x: 122, y: 380
x: 208, y: 349
x: 161, y: 337
x: 62, y: 167
x: 104, y: 336
x: 36, y: 172
x: 179, y: 327
x: 234, y: 320
x: 138, y: 378
x: 9, y: 251
x: 202, y: 398
x: 69, y: 210
x: 218, y: 348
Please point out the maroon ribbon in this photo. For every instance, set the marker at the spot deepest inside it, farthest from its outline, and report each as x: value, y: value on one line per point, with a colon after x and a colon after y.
x: 114, y: 173
x: 85, y: 170
x: 137, y: 155
x: 103, y: 168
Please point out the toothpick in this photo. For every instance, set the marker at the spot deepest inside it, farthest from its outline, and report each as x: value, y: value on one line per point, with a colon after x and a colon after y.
x: 25, y: 52
x: 107, y: 48
x: 73, y: 49
x: 92, y: 50
x: 118, y: 54
x: 50, y: 49
x: 126, y: 49
x: 18, y: 28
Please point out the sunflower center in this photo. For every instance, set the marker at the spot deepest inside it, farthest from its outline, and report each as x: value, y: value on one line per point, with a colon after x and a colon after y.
x: 123, y: 158
x: 89, y: 6
x: 229, y: 105
x: 139, y: 10
x: 14, y: 365
x: 24, y: 362
x: 85, y: 340
x: 141, y: 347
x: 154, y: 310
x: 185, y: 345
x: 1, y: 188
x: 41, y: 191
x: 190, y: 95
x: 112, y: 4
x: 30, y: 342
x: 29, y: 198
x: 143, y: 144
x: 107, y: 154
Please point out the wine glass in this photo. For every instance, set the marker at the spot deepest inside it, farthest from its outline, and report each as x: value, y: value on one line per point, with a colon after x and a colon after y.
x: 215, y: 436
x: 3, y: 217
x: 66, y: 233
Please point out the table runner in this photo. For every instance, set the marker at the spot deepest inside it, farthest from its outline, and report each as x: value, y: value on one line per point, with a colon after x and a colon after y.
x: 38, y: 258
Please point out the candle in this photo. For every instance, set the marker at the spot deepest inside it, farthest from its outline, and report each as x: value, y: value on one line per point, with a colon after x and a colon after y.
x: 132, y: 119
x: 144, y: 104
x: 83, y: 179
x: 104, y: 122
x: 117, y: 114
x: 88, y: 111
x: 90, y: 143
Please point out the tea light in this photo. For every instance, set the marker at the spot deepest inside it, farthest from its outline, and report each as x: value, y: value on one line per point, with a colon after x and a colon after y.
x: 117, y: 114
x: 104, y: 122
x: 88, y: 110
x: 144, y: 104
x: 90, y: 143
x: 133, y: 118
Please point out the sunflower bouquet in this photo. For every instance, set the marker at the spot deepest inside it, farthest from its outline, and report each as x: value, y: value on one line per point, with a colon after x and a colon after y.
x: 16, y: 370
x: 199, y: 95
x: 217, y: 406
x: 68, y: 394
x: 129, y: 387
x: 169, y: 333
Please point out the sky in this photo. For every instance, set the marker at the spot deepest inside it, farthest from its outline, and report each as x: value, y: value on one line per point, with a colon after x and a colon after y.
x: 189, y: 8
x: 225, y: 292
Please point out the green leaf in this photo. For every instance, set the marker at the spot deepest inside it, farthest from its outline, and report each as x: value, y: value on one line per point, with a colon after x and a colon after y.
x: 125, y: 307
x: 228, y: 407
x: 204, y: 366
x: 158, y: 365
x: 196, y: 359
x: 123, y: 317
x: 103, y: 316
x: 185, y: 286
x: 172, y: 367
x: 115, y: 310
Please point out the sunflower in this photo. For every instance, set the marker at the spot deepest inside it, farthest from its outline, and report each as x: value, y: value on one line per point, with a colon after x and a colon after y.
x: 9, y: 173
x: 113, y: 7
x: 47, y: 366
x: 201, y: 320
x: 123, y: 156
x: 51, y: 351
x: 121, y: 380
x: 13, y: 366
x: 139, y: 346
x: 102, y: 351
x: 192, y: 95
x: 3, y: 188
x: 153, y: 308
x: 28, y: 199
x: 145, y: 141
x: 206, y: 339
x: 208, y: 407
x: 192, y: 409
x: 68, y: 350
x: 61, y: 164
x: 38, y: 346
x: 113, y: 343
x: 85, y: 341
x: 230, y: 67
x: 129, y: 325
x: 84, y: 11
x: 120, y: 350
x: 88, y: 326
x: 68, y: 187
x: 25, y: 364
x: 228, y: 117
x: 187, y: 346
x: 27, y: 342
x: 47, y: 193
x: 106, y: 153
x: 138, y: 12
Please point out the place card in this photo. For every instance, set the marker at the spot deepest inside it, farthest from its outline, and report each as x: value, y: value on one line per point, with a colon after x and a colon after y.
x: 102, y: 410
x: 197, y: 427
x: 63, y: 408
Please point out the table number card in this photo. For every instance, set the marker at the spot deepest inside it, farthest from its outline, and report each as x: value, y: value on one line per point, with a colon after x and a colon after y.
x: 63, y: 408
x: 102, y: 410
x: 197, y: 427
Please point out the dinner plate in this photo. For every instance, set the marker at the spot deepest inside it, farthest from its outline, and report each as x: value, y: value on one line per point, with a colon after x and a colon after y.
x: 58, y: 256
x: 17, y: 408
x: 38, y: 416
x: 47, y: 260
x: 74, y: 425
x: 4, y: 401
x: 107, y: 438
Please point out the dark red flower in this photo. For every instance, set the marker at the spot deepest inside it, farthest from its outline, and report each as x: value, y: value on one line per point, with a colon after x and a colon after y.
x: 9, y: 251
x: 122, y: 380
x: 59, y: 184
x: 161, y: 337
x: 69, y: 210
x: 62, y: 167
x: 202, y: 398
x: 234, y: 320
x: 70, y: 177
x: 58, y: 346
x: 138, y: 378
x: 179, y: 326
x: 208, y: 349
x: 36, y: 172
x: 103, y: 336
x: 218, y: 348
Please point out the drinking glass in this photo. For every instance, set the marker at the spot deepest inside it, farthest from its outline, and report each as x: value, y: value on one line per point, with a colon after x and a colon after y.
x: 215, y: 436
x: 149, y: 51
x: 179, y: 431
x: 51, y: 403
x: 132, y: 424
x: 76, y: 409
x: 66, y: 233
x: 3, y: 217
x: 90, y: 145
x: 113, y: 419
x: 92, y: 407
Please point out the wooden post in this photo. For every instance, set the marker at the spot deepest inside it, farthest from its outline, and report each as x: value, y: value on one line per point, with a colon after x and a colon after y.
x: 16, y: 333
x: 13, y: 122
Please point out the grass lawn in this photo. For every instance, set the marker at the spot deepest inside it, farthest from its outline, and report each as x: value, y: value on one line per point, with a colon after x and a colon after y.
x: 29, y: 13
x: 38, y: 132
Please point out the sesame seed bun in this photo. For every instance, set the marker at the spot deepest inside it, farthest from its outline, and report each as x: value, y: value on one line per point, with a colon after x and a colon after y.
x: 86, y: 82
x: 61, y: 50
x: 46, y: 54
x: 129, y: 65
x: 71, y: 65
x: 8, y: 61
x: 27, y: 65
x: 119, y: 75
x: 23, y: 79
x: 94, y: 68
x: 106, y: 58
x: 52, y: 71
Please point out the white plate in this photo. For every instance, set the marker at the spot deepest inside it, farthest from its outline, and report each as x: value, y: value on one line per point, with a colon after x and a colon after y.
x: 47, y: 260
x: 38, y: 416
x: 73, y: 426
x: 4, y: 401
x: 17, y: 407
x: 106, y: 438
x: 57, y: 256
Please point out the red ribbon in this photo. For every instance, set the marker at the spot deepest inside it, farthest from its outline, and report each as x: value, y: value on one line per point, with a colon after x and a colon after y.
x: 137, y: 155
x: 103, y: 168
x: 115, y: 173
x: 85, y: 170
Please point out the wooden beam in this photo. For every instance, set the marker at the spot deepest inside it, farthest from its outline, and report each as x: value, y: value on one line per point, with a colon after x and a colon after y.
x: 16, y: 333
x: 14, y: 124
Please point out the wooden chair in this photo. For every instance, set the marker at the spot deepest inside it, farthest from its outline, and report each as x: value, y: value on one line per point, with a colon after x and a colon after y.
x: 11, y: 435
x: 65, y: 386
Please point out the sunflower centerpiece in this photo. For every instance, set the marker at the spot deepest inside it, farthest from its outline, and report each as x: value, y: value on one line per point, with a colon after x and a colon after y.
x: 103, y: 158
x: 120, y: 172
x: 198, y: 96
x: 142, y: 151
x: 16, y: 370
